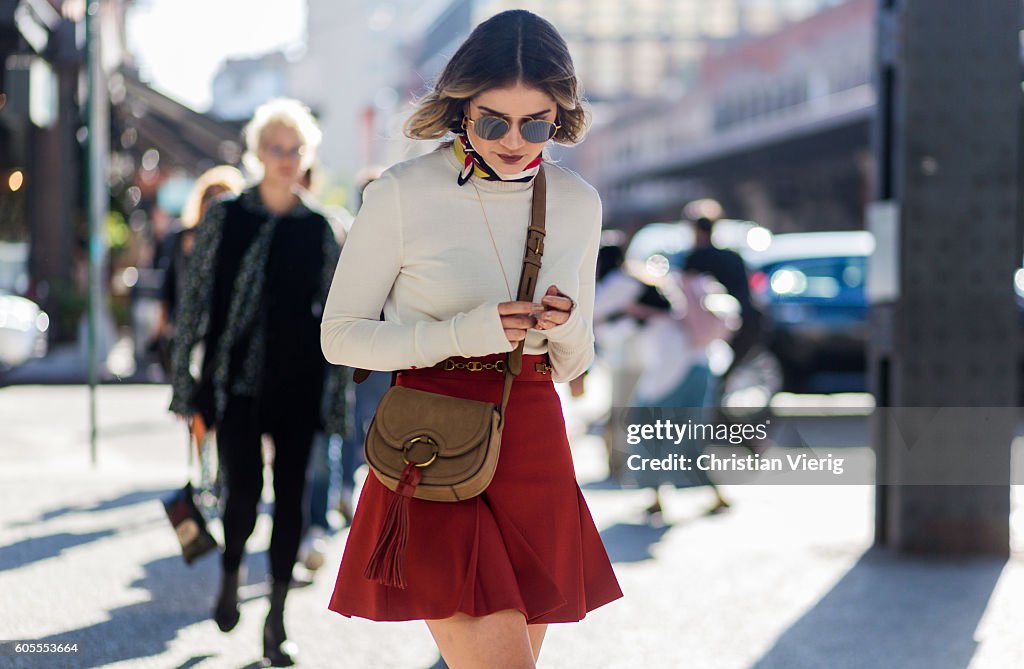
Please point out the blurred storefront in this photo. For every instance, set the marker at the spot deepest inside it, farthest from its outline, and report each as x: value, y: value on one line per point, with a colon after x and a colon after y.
x: 40, y: 157
x: 42, y: 139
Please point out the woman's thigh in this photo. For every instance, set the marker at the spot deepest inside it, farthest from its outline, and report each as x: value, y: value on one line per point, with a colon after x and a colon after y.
x: 496, y: 641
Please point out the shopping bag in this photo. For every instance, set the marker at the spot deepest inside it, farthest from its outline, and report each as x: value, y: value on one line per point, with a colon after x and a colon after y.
x: 189, y: 524
x: 187, y: 508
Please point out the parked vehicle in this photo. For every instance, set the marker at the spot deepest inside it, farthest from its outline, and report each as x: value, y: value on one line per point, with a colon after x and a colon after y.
x: 810, y: 287
x: 23, y: 327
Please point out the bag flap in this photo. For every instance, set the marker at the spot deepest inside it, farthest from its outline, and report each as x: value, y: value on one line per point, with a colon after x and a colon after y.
x: 455, y: 424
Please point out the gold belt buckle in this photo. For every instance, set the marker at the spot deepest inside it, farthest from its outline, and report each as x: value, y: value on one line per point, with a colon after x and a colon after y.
x: 542, y: 368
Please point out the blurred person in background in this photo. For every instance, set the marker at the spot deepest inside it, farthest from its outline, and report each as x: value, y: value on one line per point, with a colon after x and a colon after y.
x: 614, y: 337
x: 438, y: 245
x: 671, y: 342
x: 163, y: 228
x: 728, y: 268
x: 211, y: 185
x: 254, y: 294
x: 324, y: 461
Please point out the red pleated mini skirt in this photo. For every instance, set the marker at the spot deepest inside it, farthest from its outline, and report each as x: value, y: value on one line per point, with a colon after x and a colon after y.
x: 528, y: 542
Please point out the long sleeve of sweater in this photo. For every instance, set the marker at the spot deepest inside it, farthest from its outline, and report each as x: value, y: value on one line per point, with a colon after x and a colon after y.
x: 371, y: 260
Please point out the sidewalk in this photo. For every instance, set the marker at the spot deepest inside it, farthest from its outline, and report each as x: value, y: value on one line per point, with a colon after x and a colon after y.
x: 785, y: 580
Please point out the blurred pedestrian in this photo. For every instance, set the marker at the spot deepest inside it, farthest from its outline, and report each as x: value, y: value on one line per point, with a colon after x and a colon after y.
x: 163, y: 227
x: 438, y: 245
x: 211, y: 185
x: 615, y: 338
x: 254, y: 297
x: 674, y: 383
x: 322, y: 478
x: 728, y: 268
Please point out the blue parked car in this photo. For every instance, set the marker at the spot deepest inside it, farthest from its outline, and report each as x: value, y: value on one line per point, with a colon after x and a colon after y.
x: 810, y: 287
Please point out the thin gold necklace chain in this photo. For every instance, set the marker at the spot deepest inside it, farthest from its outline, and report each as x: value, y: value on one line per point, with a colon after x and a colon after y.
x: 487, y: 222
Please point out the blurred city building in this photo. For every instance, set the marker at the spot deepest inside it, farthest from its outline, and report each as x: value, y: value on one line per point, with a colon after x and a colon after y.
x: 626, y: 49
x: 359, y: 58
x: 243, y: 84
x: 776, y: 128
x: 664, y: 76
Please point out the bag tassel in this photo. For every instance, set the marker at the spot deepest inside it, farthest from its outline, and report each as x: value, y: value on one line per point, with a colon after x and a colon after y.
x: 387, y: 564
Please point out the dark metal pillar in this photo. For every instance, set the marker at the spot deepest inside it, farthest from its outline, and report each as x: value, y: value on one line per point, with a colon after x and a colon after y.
x: 944, y: 325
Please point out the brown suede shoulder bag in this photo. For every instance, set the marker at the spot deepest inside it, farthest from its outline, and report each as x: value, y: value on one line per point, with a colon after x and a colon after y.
x: 440, y: 448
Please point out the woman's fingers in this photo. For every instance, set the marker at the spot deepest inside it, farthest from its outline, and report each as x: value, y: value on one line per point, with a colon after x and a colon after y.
x: 556, y: 299
x: 518, y: 322
x: 558, y: 302
x: 550, y: 319
x: 519, y: 308
x: 515, y: 336
x: 518, y: 317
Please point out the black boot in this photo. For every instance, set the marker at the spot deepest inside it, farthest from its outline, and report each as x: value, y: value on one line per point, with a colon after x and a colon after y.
x: 277, y: 650
x: 226, y: 611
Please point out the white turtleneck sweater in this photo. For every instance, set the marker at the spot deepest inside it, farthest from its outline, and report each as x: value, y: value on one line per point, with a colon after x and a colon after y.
x: 420, y: 250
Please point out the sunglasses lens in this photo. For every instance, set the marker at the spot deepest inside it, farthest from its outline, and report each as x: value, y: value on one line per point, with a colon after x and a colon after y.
x: 538, y: 131
x: 491, y: 127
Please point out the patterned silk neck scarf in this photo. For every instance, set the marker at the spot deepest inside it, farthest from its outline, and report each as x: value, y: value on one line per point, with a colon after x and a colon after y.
x: 473, y: 164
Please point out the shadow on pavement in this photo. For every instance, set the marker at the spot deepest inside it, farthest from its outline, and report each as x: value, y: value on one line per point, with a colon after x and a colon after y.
x: 180, y: 596
x: 128, y: 499
x: 27, y: 551
x: 892, y: 612
x: 627, y: 542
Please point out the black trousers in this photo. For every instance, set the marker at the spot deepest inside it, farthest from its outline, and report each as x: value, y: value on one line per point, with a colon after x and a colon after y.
x: 239, y: 436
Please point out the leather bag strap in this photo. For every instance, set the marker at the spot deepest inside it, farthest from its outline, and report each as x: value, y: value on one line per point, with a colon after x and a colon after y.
x: 528, y: 279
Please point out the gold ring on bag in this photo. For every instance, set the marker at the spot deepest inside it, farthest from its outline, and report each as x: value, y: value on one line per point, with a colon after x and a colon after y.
x: 424, y: 440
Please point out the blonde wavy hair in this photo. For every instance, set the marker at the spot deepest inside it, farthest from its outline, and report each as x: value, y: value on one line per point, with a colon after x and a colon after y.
x: 225, y: 177
x: 512, y: 47
x: 281, y: 111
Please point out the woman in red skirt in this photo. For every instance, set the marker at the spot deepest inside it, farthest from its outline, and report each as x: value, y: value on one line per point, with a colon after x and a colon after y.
x: 438, y: 246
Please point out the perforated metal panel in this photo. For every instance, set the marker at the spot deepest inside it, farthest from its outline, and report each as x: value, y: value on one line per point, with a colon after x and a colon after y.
x: 947, y: 140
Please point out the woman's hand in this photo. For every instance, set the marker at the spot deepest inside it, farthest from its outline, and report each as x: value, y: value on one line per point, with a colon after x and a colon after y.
x: 557, y: 308
x: 517, y: 318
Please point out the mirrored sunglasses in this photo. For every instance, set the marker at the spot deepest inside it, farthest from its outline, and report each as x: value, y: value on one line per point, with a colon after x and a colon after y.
x: 495, y: 127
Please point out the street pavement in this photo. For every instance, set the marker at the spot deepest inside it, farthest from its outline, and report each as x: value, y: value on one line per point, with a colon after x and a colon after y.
x: 786, y: 579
